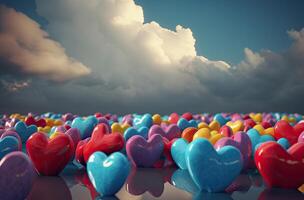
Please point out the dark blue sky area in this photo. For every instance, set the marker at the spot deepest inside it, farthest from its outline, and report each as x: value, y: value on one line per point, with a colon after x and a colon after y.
x: 222, y: 28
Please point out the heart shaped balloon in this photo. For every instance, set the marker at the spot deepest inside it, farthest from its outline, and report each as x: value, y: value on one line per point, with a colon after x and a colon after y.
x: 242, y: 142
x: 257, y: 139
x: 50, y: 156
x: 170, y: 132
x: 281, y: 168
x: 25, y: 131
x: 178, y: 150
x: 103, y: 140
x: 108, y: 174
x: 8, y: 144
x: 212, y: 170
x: 144, y: 153
x: 183, y: 123
x: 85, y: 126
x: 143, y: 131
x: 143, y: 121
x: 17, y: 175
x: 283, y: 129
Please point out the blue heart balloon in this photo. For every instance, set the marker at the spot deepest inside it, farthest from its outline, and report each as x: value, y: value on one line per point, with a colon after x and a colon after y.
x: 178, y: 150
x: 212, y: 170
x: 256, y: 138
x: 143, y: 121
x: 182, y: 180
x: 220, y: 119
x: 183, y: 123
x: 108, y: 174
x: 25, y: 131
x: 284, y: 143
x: 8, y: 144
x: 143, y: 131
x: 85, y: 126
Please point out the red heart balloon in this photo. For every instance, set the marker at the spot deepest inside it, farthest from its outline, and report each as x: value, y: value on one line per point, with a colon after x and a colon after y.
x: 30, y: 120
x: 49, y: 156
x: 167, y: 149
x: 283, y: 129
x: 103, y: 140
x: 173, y: 118
x: 281, y: 168
x: 79, y: 151
x: 188, y: 116
x: 226, y: 131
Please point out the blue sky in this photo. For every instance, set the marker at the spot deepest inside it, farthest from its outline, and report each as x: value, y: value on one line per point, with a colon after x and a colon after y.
x: 224, y: 28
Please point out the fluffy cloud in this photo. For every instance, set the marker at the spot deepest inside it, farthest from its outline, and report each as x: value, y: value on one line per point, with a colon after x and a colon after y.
x: 27, y: 48
x: 141, y: 66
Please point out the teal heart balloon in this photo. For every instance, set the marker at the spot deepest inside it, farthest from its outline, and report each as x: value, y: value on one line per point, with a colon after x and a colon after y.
x: 284, y: 143
x: 178, y: 150
x: 220, y: 119
x: 8, y: 144
x: 143, y: 121
x: 143, y: 131
x: 85, y: 126
x: 25, y: 131
x: 256, y: 139
x: 108, y: 174
x: 183, y: 123
x: 212, y: 170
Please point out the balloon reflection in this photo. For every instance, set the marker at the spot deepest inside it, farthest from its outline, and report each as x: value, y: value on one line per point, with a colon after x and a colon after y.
x: 49, y: 188
x: 280, y: 194
x: 152, y: 180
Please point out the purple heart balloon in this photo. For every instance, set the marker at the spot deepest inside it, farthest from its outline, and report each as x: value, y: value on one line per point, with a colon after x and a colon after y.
x: 14, y: 134
x: 170, y: 132
x: 68, y: 117
x: 75, y: 135
x: 143, y: 153
x: 17, y: 175
x: 301, y: 137
x: 241, y: 141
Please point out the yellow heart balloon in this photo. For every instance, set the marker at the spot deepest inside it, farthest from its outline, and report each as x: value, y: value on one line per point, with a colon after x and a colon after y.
x: 236, y: 126
x: 214, y: 125
x: 260, y: 129
x: 117, y: 128
x: 203, y: 125
x: 256, y: 117
x: 215, y: 138
x: 45, y: 129
x: 58, y: 122
x: 202, y: 133
x: 157, y: 119
x: 49, y: 122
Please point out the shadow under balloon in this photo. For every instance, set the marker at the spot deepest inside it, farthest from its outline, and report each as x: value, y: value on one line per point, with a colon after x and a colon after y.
x: 49, y: 188
x: 280, y: 194
x: 150, y: 180
x: 181, y: 179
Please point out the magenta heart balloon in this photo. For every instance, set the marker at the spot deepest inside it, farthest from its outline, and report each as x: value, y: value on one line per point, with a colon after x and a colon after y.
x: 144, y: 153
x: 17, y: 175
x: 241, y: 141
x: 170, y: 132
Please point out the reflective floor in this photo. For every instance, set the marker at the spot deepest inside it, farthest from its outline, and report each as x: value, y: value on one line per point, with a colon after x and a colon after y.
x: 167, y: 183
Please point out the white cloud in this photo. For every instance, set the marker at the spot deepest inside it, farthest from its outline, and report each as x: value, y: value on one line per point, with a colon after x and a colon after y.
x: 25, y: 45
x: 121, y: 48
